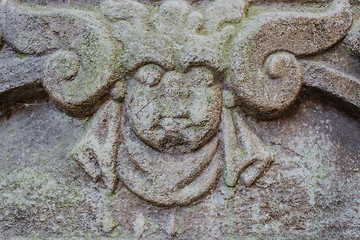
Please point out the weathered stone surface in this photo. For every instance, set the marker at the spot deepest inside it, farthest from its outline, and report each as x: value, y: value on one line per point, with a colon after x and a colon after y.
x: 88, y: 43
x: 333, y: 84
x: 268, y: 93
x: 179, y: 119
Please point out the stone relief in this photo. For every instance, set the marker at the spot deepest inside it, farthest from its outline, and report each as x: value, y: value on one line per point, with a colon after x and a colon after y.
x: 170, y: 86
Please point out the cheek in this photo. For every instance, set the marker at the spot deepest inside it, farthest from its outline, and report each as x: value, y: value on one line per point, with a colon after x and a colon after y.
x: 206, y: 105
x: 142, y: 105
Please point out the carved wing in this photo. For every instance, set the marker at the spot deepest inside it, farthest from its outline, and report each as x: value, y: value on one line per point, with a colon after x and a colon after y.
x: 264, y: 72
x: 266, y: 78
x: 84, y: 60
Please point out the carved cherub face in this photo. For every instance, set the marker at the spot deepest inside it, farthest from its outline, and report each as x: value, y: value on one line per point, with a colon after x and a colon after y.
x: 174, y: 107
x: 174, y: 111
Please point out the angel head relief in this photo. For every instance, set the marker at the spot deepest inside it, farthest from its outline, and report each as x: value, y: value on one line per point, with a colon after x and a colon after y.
x: 174, y: 94
x: 169, y: 86
x: 174, y: 112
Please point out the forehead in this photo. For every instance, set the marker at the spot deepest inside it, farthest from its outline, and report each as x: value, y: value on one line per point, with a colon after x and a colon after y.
x: 174, y: 34
x: 197, y: 51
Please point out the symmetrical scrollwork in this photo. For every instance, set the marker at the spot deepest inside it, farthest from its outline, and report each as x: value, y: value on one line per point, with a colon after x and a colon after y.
x: 172, y: 85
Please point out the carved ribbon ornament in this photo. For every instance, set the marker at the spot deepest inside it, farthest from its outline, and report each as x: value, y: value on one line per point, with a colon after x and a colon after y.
x: 170, y: 85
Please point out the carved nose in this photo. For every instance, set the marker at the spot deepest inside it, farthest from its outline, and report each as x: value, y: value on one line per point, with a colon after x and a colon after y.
x: 169, y: 124
x: 173, y: 124
x: 175, y: 104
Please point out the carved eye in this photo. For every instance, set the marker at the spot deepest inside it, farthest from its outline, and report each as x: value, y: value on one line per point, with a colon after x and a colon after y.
x: 201, y: 76
x: 149, y: 74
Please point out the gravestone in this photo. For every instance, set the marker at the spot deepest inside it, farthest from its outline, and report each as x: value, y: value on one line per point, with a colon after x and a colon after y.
x: 224, y: 119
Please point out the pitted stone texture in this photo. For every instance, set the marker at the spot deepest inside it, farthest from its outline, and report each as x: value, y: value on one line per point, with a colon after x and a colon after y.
x: 28, y: 72
x: 82, y: 33
x: 334, y: 84
x: 176, y: 145
x: 99, y: 145
x: 174, y: 33
x: 309, y: 192
x: 263, y: 35
x: 178, y: 115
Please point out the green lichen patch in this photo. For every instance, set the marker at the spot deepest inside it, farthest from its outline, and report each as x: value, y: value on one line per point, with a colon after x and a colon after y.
x: 32, y: 199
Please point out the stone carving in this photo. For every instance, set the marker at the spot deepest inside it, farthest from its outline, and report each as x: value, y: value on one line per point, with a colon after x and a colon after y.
x: 171, y: 86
